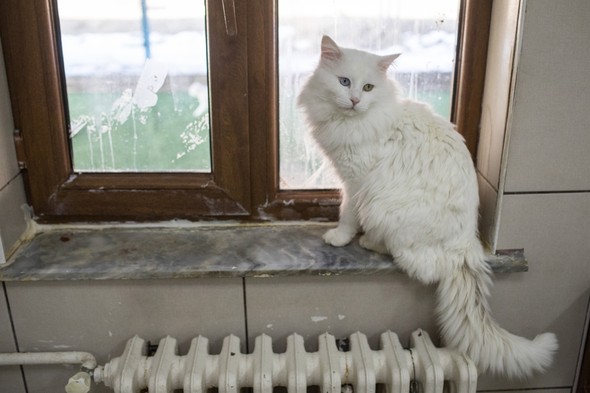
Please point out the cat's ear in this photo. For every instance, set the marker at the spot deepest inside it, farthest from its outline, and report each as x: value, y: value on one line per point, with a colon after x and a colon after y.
x: 330, y: 50
x: 386, y: 61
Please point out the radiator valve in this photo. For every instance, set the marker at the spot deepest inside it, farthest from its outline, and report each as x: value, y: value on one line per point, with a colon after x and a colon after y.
x: 79, y: 383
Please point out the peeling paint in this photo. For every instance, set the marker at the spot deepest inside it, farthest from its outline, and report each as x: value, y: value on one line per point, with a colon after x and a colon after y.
x: 318, y: 318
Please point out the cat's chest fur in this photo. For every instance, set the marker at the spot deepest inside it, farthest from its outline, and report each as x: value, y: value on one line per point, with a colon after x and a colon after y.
x: 354, y: 163
x: 355, y: 146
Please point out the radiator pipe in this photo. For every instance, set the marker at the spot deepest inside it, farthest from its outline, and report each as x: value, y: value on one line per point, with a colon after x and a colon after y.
x: 79, y: 383
x: 87, y: 360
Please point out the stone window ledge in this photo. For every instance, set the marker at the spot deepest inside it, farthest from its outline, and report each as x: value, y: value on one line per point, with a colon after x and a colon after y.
x: 207, y: 250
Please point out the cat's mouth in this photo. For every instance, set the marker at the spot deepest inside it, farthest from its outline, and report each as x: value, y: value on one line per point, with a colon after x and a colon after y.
x: 352, y: 110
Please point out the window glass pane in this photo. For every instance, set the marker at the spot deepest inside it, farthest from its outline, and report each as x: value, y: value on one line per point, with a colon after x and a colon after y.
x: 136, y: 79
x: 424, y: 31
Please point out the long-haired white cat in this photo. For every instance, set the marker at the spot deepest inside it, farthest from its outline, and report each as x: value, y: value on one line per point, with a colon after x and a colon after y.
x: 410, y: 187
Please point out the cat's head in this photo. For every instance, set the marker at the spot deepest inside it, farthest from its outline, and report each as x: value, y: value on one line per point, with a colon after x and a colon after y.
x: 350, y: 81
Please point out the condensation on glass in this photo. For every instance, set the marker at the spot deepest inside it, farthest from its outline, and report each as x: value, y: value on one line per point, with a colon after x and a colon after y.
x: 424, y: 31
x: 136, y: 81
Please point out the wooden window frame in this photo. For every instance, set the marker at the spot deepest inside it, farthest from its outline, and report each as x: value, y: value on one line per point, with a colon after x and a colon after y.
x: 244, y: 184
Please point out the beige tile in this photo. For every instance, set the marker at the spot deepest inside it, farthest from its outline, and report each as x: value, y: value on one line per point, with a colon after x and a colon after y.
x: 100, y: 317
x: 11, y: 186
x: 8, y: 164
x: 341, y: 306
x: 554, y: 230
x: 12, y: 217
x: 549, y: 138
x: 11, y: 379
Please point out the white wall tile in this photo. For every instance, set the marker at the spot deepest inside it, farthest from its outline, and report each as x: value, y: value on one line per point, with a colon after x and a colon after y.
x: 550, y: 136
x: 100, y: 316
x: 340, y: 305
x: 8, y: 163
x: 12, y: 195
x: 11, y: 379
x: 554, y: 230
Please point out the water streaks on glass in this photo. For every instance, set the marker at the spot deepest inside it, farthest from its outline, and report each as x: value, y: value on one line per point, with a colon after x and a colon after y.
x: 136, y: 81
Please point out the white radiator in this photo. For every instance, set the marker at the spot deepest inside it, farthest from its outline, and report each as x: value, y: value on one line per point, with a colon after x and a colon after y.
x: 422, y: 368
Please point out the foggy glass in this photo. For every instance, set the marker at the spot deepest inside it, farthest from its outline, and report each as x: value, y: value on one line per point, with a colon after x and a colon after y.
x: 136, y: 81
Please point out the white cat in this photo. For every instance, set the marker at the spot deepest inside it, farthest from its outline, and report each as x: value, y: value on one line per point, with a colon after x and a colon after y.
x: 410, y: 186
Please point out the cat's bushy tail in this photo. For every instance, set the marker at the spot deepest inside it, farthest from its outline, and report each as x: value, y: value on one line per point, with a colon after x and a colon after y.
x: 467, y: 325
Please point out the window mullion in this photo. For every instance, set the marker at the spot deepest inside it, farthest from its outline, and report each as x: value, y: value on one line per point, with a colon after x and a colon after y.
x: 228, y: 78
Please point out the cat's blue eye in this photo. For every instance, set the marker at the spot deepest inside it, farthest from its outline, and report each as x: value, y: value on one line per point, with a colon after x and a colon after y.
x: 344, y: 81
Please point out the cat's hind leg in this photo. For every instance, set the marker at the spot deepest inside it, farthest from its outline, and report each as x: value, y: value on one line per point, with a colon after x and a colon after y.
x: 428, y: 264
x: 368, y: 242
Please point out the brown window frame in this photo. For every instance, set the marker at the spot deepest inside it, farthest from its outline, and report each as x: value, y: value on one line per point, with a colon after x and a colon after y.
x: 244, y: 184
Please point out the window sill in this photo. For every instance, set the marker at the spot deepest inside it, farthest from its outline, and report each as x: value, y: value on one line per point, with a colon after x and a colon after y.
x: 222, y: 250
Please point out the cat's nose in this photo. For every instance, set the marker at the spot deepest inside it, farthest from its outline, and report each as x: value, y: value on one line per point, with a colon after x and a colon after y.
x: 354, y: 100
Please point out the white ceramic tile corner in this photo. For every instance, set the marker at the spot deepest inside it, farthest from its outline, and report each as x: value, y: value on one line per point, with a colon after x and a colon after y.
x: 488, y: 213
x: 12, y: 217
x: 2, y: 252
x: 498, y: 89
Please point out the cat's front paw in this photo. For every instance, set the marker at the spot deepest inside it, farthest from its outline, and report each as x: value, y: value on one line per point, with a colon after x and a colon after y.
x: 338, y: 237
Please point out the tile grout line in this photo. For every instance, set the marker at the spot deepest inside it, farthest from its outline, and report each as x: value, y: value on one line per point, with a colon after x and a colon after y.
x: 546, y: 192
x: 22, y: 370
x: 245, y: 315
x: 13, y: 178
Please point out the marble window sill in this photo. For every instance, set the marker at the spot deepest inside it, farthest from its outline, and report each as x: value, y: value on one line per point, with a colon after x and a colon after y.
x: 227, y: 250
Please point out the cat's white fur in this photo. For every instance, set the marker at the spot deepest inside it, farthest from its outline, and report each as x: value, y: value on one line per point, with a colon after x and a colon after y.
x: 410, y: 187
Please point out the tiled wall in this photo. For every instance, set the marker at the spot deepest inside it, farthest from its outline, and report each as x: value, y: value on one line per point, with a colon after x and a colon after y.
x: 553, y: 295
x: 101, y: 316
x: 12, y: 224
x: 545, y: 198
x: 549, y: 141
x: 12, y: 195
x: 10, y: 377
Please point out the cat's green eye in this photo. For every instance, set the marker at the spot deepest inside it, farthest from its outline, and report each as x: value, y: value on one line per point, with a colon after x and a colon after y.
x: 368, y: 87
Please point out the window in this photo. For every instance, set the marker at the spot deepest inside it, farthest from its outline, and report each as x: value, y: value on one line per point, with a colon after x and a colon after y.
x: 241, y: 179
x: 136, y: 85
